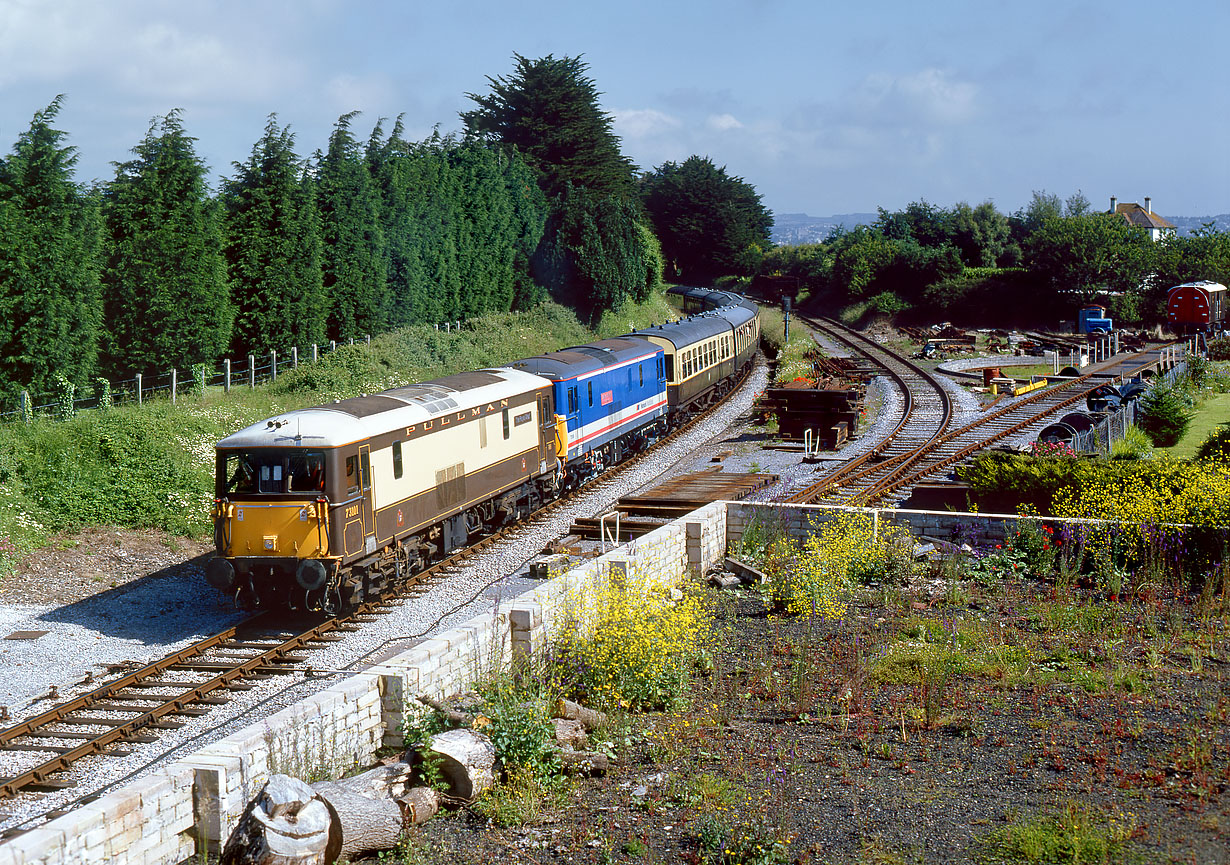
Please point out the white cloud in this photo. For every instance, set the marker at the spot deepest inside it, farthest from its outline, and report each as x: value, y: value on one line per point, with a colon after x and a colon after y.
x: 930, y: 97
x: 634, y: 123
x: 723, y: 122
x: 172, y: 53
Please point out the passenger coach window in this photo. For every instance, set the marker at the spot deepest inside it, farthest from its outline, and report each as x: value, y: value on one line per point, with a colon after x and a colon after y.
x: 640, y: 369
x: 397, y: 459
x: 507, y: 432
x: 590, y: 387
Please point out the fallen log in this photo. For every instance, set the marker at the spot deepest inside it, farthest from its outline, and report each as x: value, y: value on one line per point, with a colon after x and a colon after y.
x: 461, y: 719
x: 292, y: 823
x: 287, y: 823
x: 583, y: 762
x: 591, y: 718
x: 570, y: 733
x: 465, y: 759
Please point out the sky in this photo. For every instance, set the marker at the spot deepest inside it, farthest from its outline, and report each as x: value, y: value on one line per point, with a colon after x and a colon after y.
x: 824, y: 107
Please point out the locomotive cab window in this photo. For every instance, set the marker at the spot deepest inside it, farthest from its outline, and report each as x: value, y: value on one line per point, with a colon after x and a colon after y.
x: 271, y: 472
x: 352, y: 475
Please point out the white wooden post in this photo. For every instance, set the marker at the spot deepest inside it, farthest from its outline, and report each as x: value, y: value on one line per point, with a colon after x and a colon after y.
x: 174, y: 383
x: 226, y: 368
x: 273, y: 364
x: 294, y: 357
x: 139, y: 398
x: 252, y: 371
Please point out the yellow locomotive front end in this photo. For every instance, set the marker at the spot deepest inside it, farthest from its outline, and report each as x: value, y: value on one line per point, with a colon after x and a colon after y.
x: 272, y: 526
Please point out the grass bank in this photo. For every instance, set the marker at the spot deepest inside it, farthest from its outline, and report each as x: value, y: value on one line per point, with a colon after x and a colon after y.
x: 150, y: 466
x: 1213, y: 414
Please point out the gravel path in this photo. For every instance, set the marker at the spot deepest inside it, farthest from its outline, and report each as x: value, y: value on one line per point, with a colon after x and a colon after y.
x: 145, y: 622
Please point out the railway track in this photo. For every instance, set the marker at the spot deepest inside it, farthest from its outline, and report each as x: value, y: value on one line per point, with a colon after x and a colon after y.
x: 922, y: 446
x: 926, y: 413
x: 187, y: 683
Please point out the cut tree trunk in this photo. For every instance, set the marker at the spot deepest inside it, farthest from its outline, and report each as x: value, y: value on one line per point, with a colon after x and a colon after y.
x: 466, y: 761
x: 286, y: 824
x: 291, y: 823
x: 583, y: 762
x: 570, y: 733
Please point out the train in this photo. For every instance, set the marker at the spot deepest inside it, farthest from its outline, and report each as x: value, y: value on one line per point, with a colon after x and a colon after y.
x: 324, y: 508
x: 1197, y: 306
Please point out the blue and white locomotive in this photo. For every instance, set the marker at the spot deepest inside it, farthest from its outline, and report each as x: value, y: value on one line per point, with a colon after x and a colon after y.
x: 322, y: 508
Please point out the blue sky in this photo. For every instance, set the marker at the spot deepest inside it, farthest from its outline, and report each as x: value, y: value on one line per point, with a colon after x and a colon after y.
x: 824, y: 107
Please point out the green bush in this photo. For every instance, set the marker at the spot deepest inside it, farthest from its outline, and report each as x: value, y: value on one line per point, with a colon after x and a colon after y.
x: 1165, y: 413
x: 1004, y: 483
x: 1135, y: 445
x: 1217, y: 446
x: 1219, y: 349
x: 887, y: 303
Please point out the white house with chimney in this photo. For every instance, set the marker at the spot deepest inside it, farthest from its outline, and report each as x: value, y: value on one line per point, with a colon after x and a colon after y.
x: 1142, y: 217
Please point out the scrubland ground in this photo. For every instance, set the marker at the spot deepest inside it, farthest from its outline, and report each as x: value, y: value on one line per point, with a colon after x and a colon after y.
x: 946, y: 722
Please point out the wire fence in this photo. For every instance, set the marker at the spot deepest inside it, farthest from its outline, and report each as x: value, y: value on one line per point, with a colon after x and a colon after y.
x: 228, y: 375
x: 1100, y: 437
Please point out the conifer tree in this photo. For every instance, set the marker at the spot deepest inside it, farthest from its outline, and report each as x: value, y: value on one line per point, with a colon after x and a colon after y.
x: 353, y: 261
x: 50, y: 296
x: 710, y: 223
x: 273, y: 248
x: 167, y: 302
x: 548, y: 109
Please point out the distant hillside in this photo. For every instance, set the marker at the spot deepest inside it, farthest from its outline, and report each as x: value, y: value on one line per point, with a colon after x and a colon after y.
x: 1187, y: 224
x: 790, y: 229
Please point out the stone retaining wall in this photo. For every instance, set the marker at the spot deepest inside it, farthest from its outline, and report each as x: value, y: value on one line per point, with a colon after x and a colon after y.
x: 163, y: 818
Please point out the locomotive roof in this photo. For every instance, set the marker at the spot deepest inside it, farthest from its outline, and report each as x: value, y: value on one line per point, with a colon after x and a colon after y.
x: 581, y: 360
x: 684, y: 333
x: 360, y: 417
x: 1205, y: 284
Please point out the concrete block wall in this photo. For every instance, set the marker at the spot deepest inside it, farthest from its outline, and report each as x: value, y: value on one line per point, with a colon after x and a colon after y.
x: 159, y: 819
x: 797, y: 521
x: 148, y: 820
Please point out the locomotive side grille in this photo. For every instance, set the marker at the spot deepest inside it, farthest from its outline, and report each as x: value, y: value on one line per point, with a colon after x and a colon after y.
x: 451, y: 486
